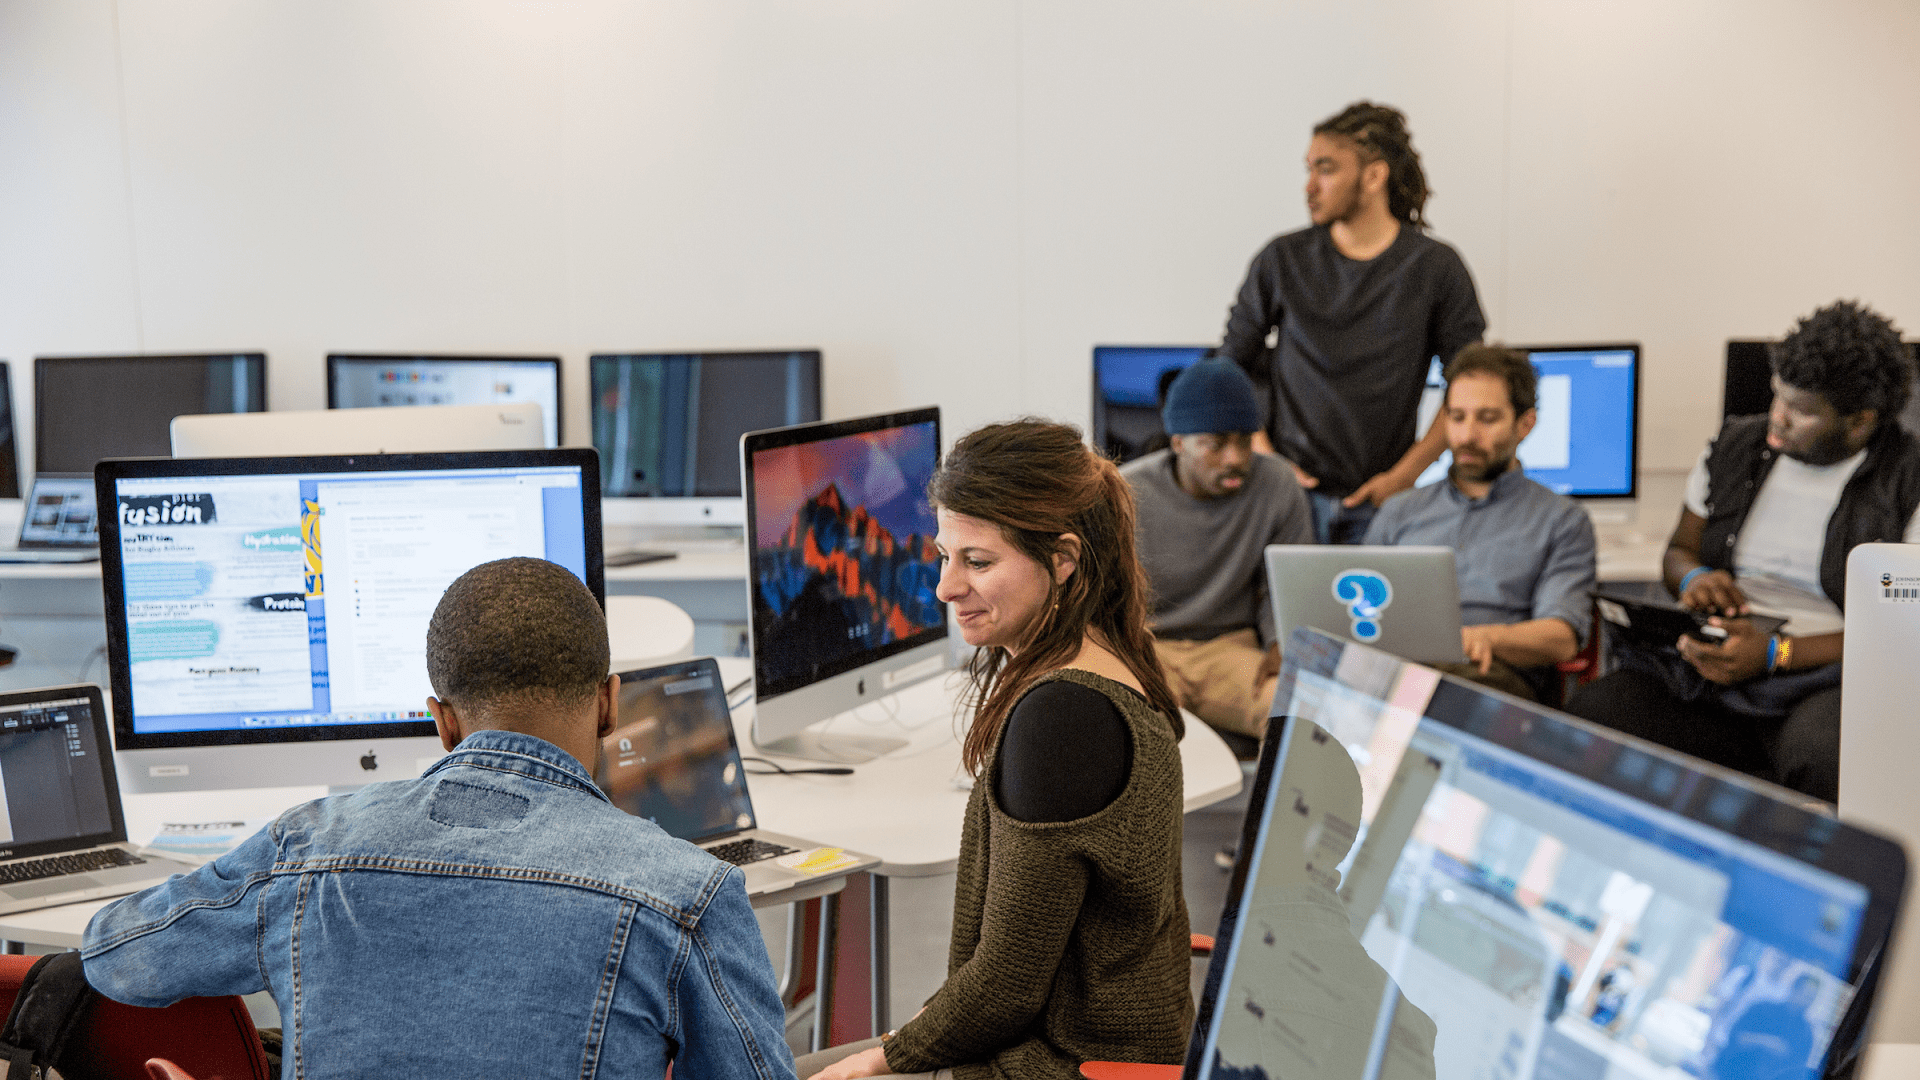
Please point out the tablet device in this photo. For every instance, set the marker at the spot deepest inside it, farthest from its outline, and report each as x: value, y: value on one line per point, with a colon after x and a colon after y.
x: 1654, y: 623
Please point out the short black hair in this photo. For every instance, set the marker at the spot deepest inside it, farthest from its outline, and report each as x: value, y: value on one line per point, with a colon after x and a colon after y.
x: 1512, y: 365
x: 517, y: 632
x: 1851, y: 355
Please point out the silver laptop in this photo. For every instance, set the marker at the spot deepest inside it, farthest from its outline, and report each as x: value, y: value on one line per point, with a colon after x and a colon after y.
x: 61, y: 523
x: 1437, y: 880
x: 672, y: 759
x: 1404, y: 600
x: 62, y: 835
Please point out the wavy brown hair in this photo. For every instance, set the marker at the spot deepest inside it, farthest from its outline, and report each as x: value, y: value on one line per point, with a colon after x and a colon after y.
x: 1036, y: 480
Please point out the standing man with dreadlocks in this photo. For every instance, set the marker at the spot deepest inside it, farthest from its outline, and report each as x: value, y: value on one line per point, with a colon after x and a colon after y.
x: 1340, y: 320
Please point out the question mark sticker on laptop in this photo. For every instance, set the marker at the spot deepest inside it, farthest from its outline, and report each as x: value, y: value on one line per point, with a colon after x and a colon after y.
x: 1366, y: 593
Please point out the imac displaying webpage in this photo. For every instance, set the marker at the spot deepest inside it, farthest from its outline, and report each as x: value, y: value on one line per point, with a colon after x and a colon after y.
x: 844, y: 567
x: 1471, y: 912
x: 669, y: 426
x: 272, y: 601
x: 364, y: 382
x: 1583, y: 440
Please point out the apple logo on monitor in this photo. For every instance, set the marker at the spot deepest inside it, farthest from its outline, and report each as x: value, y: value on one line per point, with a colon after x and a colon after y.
x: 367, y: 762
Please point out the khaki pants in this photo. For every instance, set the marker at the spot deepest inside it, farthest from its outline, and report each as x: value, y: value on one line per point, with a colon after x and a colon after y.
x: 1214, y: 680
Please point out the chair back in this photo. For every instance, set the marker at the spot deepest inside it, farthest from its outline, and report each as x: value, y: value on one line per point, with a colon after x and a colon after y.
x: 209, y: 1038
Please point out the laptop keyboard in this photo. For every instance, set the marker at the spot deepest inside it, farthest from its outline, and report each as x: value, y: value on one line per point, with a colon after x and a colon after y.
x: 57, y: 865
x: 742, y: 852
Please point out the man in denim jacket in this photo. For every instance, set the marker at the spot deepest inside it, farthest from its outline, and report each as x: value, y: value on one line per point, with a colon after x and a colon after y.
x: 497, y: 916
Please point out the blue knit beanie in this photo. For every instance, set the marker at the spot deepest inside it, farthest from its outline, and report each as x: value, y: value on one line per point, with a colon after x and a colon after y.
x: 1213, y: 395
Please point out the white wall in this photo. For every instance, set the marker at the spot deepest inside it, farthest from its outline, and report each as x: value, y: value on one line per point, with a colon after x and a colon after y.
x: 954, y: 200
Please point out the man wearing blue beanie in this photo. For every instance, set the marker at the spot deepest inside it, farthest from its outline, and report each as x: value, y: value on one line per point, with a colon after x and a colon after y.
x: 1208, y: 507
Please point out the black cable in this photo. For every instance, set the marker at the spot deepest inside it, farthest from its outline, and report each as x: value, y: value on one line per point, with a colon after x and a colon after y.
x: 836, y: 770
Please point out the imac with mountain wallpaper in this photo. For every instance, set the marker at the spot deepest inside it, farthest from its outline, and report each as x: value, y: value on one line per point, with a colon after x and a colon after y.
x: 267, y: 617
x: 92, y: 407
x: 1129, y: 385
x: 9, y: 441
x: 842, y: 575
x: 668, y: 427
x: 361, y: 381
x: 1586, y: 442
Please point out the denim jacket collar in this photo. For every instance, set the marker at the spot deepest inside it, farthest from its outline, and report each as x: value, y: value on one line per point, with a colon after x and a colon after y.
x: 511, y: 751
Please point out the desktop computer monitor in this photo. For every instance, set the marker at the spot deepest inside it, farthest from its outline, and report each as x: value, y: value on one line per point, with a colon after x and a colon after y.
x: 266, y: 617
x: 358, y: 381
x: 91, y: 407
x: 1748, y: 388
x: 1129, y: 385
x: 1586, y: 441
x: 668, y: 426
x: 9, y: 443
x: 842, y: 571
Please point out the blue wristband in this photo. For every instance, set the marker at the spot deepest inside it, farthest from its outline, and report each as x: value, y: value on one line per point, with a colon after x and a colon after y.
x: 1690, y: 575
x: 1773, y: 652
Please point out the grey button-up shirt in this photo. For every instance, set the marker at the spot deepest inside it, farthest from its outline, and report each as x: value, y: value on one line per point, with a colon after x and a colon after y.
x: 1521, y: 553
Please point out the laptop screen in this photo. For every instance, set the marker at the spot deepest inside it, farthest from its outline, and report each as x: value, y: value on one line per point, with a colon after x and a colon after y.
x: 671, y: 757
x: 50, y: 772
x: 61, y: 513
x: 1429, y: 892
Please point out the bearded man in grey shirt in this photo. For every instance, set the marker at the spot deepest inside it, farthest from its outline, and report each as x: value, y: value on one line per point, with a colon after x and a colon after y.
x: 1524, y: 555
x: 1208, y: 507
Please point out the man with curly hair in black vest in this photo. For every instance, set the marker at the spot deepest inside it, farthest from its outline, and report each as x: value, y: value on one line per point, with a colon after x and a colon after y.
x: 1773, y: 506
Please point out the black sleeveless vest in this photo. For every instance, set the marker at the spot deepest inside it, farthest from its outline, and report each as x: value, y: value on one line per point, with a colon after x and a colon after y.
x: 1875, y: 506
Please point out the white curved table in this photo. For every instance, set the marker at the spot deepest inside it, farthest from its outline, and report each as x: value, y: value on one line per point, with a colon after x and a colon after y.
x: 643, y: 631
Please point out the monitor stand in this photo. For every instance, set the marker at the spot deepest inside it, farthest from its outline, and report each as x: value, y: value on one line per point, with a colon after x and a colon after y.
x: 833, y: 747
x: 839, y: 739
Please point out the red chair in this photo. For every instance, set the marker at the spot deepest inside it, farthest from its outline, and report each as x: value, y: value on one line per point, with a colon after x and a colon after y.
x: 1583, y: 668
x: 211, y: 1038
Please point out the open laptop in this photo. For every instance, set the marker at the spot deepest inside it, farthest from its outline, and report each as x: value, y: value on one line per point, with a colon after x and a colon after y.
x: 1440, y: 880
x: 1404, y: 600
x: 60, y: 524
x: 62, y: 835
x: 672, y: 758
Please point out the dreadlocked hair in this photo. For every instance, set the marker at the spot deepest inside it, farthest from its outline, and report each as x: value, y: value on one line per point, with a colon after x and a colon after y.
x: 1380, y: 132
x: 1036, y: 480
x: 1849, y: 354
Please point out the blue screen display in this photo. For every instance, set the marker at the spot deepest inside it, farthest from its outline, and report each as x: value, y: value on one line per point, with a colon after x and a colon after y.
x: 1129, y: 375
x: 1584, y: 438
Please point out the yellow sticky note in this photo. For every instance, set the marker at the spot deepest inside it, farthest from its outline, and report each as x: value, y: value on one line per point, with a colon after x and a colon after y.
x: 818, y: 860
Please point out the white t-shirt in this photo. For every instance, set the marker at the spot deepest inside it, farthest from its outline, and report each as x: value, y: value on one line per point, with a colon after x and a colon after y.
x: 1777, y: 557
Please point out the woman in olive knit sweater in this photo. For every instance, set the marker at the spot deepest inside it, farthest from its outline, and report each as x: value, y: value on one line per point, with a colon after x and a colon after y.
x: 1070, y: 935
